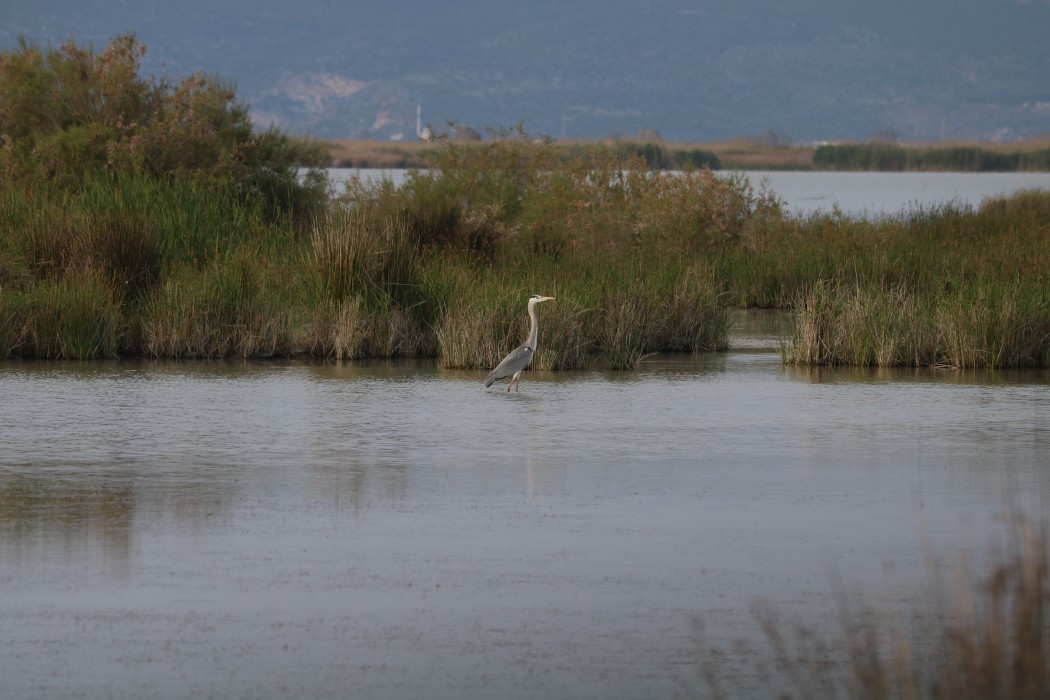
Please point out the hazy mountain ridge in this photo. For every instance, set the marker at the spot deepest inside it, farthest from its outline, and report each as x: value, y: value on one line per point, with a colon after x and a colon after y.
x: 813, y: 69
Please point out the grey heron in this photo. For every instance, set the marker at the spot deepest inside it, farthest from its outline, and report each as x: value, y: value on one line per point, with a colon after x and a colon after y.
x: 520, y: 357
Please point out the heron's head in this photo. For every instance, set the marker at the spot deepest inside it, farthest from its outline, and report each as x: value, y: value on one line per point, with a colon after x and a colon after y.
x: 536, y: 299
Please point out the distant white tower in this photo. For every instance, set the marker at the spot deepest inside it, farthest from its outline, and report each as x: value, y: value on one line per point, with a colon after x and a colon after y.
x: 421, y: 133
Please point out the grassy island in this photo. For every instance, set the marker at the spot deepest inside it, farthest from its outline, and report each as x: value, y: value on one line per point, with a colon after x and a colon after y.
x: 149, y: 219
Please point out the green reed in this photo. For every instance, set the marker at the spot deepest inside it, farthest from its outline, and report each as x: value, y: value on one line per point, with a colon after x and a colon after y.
x: 980, y: 323
x: 229, y: 309
x: 888, y: 156
x: 641, y: 262
x: 480, y: 313
x: 196, y: 237
x: 610, y: 316
x: 74, y: 318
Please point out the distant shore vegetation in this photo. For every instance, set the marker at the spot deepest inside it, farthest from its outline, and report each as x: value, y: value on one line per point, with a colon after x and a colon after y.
x: 740, y: 154
x: 147, y: 218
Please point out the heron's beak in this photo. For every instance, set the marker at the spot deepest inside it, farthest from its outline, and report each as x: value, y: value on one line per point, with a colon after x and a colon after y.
x: 547, y: 298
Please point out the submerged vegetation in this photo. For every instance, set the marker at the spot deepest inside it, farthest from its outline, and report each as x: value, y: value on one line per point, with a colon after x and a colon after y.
x: 148, y: 218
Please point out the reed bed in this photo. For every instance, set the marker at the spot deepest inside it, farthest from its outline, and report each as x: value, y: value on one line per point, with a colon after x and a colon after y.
x: 221, y: 311
x: 74, y: 318
x: 960, y: 158
x: 641, y: 262
x: 980, y: 325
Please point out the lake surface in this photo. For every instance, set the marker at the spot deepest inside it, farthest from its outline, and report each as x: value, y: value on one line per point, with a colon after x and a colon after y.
x: 859, y: 194
x: 394, y: 530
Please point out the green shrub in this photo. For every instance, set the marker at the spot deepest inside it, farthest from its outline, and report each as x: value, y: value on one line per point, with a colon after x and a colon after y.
x: 69, y: 111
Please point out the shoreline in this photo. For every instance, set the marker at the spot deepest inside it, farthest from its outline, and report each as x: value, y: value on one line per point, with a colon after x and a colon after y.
x: 737, y: 154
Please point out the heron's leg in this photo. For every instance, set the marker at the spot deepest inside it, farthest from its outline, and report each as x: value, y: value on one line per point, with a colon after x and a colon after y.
x: 515, y: 378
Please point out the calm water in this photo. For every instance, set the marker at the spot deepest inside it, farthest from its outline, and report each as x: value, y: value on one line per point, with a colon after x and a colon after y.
x: 393, y: 530
x: 855, y: 193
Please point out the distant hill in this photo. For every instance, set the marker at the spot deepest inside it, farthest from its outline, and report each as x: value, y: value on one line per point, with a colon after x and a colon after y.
x: 689, y: 69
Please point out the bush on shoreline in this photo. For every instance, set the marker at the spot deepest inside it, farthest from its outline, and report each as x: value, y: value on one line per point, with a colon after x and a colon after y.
x: 68, y: 112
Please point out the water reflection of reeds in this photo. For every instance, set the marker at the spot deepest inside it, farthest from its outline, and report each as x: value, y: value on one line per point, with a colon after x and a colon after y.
x: 80, y: 516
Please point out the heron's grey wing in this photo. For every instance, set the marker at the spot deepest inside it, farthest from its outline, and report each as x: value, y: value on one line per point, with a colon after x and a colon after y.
x: 518, y: 359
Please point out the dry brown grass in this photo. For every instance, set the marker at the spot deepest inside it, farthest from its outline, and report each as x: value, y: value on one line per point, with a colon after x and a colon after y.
x: 351, y: 153
x: 1028, y: 145
x: 970, y: 637
x: 744, y: 154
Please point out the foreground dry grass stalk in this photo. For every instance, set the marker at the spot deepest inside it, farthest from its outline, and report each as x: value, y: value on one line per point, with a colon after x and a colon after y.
x: 971, y: 637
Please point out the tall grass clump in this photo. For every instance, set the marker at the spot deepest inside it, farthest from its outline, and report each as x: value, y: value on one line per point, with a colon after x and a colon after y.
x: 679, y: 311
x: 695, y: 318
x: 995, y: 325
x: 471, y: 336
x: 73, y: 318
x: 351, y: 254
x: 849, y: 324
x: 979, y: 637
x: 611, y: 317
x: 57, y: 234
x: 132, y: 225
x: 365, y: 290
x: 225, y: 310
x: 480, y: 314
x: 980, y: 324
x: 947, y: 286
x: 625, y: 324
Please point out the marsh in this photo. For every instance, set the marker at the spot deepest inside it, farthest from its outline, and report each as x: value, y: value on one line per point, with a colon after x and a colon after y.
x: 390, y: 529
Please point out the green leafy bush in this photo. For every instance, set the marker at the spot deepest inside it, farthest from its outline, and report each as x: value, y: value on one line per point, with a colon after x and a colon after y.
x: 70, y: 110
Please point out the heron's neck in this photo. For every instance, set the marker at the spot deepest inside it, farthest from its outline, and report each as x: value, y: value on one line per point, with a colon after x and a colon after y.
x: 534, y: 329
